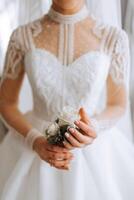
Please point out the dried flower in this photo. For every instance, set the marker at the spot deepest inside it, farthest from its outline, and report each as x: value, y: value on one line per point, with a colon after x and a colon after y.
x: 55, y: 132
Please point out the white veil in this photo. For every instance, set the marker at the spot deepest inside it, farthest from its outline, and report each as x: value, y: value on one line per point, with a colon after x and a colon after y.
x: 30, y: 10
x: 108, y: 11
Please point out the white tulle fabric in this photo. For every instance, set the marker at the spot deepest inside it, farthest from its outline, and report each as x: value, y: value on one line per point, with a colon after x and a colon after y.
x: 97, y: 170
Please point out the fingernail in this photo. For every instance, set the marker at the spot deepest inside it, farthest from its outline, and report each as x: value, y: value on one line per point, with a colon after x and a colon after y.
x: 71, y: 129
x: 67, y: 135
x: 77, y: 122
x: 65, y: 147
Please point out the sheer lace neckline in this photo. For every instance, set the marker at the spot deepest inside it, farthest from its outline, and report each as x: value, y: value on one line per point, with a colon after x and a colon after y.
x: 68, y: 19
x: 66, y: 35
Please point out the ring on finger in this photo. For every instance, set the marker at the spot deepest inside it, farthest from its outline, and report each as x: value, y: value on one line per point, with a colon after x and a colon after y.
x: 59, y: 159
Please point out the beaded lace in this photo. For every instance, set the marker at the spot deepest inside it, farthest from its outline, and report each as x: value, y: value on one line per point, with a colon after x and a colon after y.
x: 69, y: 40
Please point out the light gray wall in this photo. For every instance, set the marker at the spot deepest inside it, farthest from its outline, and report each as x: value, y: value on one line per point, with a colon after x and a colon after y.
x: 123, y: 5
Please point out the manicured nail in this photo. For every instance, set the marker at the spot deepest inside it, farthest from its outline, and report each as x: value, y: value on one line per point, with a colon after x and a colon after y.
x: 67, y: 135
x: 71, y: 129
x: 65, y: 147
x: 77, y: 122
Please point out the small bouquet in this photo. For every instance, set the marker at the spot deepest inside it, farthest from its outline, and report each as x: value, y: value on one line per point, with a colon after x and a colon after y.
x: 55, y: 133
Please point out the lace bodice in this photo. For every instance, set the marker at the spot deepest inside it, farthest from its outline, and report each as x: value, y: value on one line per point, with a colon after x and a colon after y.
x: 65, y: 85
x: 35, y: 35
x: 67, y: 64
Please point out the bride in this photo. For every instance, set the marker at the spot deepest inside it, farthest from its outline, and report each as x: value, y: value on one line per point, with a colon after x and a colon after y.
x: 70, y: 58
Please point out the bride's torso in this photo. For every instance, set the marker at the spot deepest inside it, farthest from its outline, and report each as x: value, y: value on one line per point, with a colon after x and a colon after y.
x: 66, y: 63
x: 55, y: 85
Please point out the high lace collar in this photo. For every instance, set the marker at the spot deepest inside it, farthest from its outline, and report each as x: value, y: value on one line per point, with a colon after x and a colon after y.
x: 68, y: 19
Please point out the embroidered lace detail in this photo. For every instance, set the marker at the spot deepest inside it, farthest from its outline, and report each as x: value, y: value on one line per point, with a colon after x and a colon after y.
x: 64, y: 40
x: 115, y: 43
x: 35, y: 27
x: 102, y: 125
x: 98, y: 51
x: 20, y: 42
x: 120, y: 59
x: 13, y: 57
x: 98, y: 30
x: 65, y: 85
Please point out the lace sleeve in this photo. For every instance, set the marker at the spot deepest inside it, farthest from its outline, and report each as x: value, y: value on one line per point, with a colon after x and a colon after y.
x: 120, y: 59
x: 14, y: 56
x: 117, y: 91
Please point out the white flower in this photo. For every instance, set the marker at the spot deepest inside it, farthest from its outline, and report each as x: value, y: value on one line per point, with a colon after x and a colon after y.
x: 55, y: 131
x: 69, y: 114
x: 63, y: 122
x: 52, y: 129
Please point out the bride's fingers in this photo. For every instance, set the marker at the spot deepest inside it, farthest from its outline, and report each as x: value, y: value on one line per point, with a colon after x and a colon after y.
x: 68, y: 145
x: 65, y: 167
x: 74, y: 142
x: 56, y: 148
x: 84, y: 116
x: 86, y: 128
x: 59, y: 163
x: 56, y: 156
x: 80, y: 137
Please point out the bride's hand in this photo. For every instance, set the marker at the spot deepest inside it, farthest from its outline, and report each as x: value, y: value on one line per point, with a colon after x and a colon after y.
x: 58, y: 157
x: 84, y: 136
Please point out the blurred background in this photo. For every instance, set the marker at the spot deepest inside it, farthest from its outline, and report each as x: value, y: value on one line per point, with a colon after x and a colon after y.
x: 116, y: 12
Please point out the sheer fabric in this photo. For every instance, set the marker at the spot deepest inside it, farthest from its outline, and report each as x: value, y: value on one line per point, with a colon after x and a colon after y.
x: 89, y: 35
x: 110, y: 12
x: 95, y: 33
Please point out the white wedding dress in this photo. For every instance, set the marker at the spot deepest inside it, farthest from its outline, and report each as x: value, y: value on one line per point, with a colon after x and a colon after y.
x: 103, y: 170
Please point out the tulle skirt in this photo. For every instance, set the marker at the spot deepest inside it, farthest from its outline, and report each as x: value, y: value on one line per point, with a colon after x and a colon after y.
x: 103, y: 170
